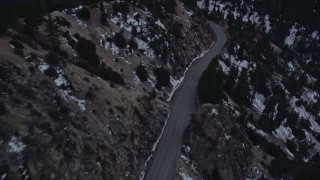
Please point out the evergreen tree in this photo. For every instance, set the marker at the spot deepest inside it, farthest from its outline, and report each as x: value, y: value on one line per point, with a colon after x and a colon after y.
x: 265, y: 121
x: 103, y: 15
x: 133, y: 43
x: 215, y: 174
x: 52, y: 31
x: 176, y: 30
x: 231, y: 81
x: 191, y: 4
x: 87, y: 51
x: 32, y: 14
x: 134, y: 31
x: 84, y: 13
x: 170, y: 6
x: 242, y: 90
x: 259, y: 79
x: 163, y: 77
x: 3, y: 24
x: 210, y: 87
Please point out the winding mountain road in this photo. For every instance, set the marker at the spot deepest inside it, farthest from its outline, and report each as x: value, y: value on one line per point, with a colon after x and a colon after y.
x: 183, y: 105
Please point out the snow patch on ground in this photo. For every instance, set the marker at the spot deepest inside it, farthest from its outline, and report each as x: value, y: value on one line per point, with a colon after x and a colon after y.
x: 304, y: 114
x: 80, y: 23
x: 67, y: 96
x: 136, y: 79
x: 62, y: 81
x: 224, y: 67
x: 184, y: 158
x: 283, y: 132
x: 255, y: 18
x: 43, y: 66
x: 147, y: 51
x: 227, y: 136
x: 200, y: 4
x: 214, y: 111
x: 259, y: 131
x: 289, y: 40
x: 267, y: 23
x: 289, y: 152
x: 239, y: 64
x: 258, y: 102
x: 129, y: 23
x: 243, y: 64
x: 315, y: 35
x: 152, y: 80
x: 16, y: 146
x: 182, y: 172
x: 3, y: 177
x: 175, y: 84
x: 111, y: 47
x: 185, y: 176
x: 159, y: 23
x: 232, y: 105
x: 291, y: 67
x: 310, y: 96
x: 312, y: 140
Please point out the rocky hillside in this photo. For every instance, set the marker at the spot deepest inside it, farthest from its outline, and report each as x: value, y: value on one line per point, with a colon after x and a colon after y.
x: 266, y: 88
x: 83, y: 90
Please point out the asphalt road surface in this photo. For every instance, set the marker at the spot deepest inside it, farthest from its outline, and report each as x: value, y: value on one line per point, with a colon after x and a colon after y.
x: 183, y: 105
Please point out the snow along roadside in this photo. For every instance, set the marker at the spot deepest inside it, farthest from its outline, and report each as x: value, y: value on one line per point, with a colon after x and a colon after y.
x: 178, y: 82
x: 154, y: 148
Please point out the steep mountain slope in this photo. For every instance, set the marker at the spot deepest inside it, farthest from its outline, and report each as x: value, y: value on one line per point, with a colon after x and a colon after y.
x: 268, y: 82
x: 74, y: 104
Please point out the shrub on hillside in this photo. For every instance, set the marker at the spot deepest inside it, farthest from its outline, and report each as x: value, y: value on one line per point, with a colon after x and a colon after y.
x: 83, y: 13
x: 3, y: 109
x: 63, y: 53
x: 16, y: 44
x: 163, y: 77
x: 18, y: 52
x: 109, y: 75
x: 104, y: 19
x: 142, y: 73
x: 215, y: 174
x: 121, y: 7
x: 133, y: 44
x: 62, y: 21
x: 52, y: 58
x: 176, y: 30
x: 87, y: 51
x: 3, y: 24
x: 119, y: 40
x: 86, y: 65
x: 276, y: 168
x: 51, y: 72
x: 72, y: 43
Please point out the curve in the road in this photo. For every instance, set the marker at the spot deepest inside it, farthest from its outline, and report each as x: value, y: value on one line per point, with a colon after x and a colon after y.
x: 183, y: 105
